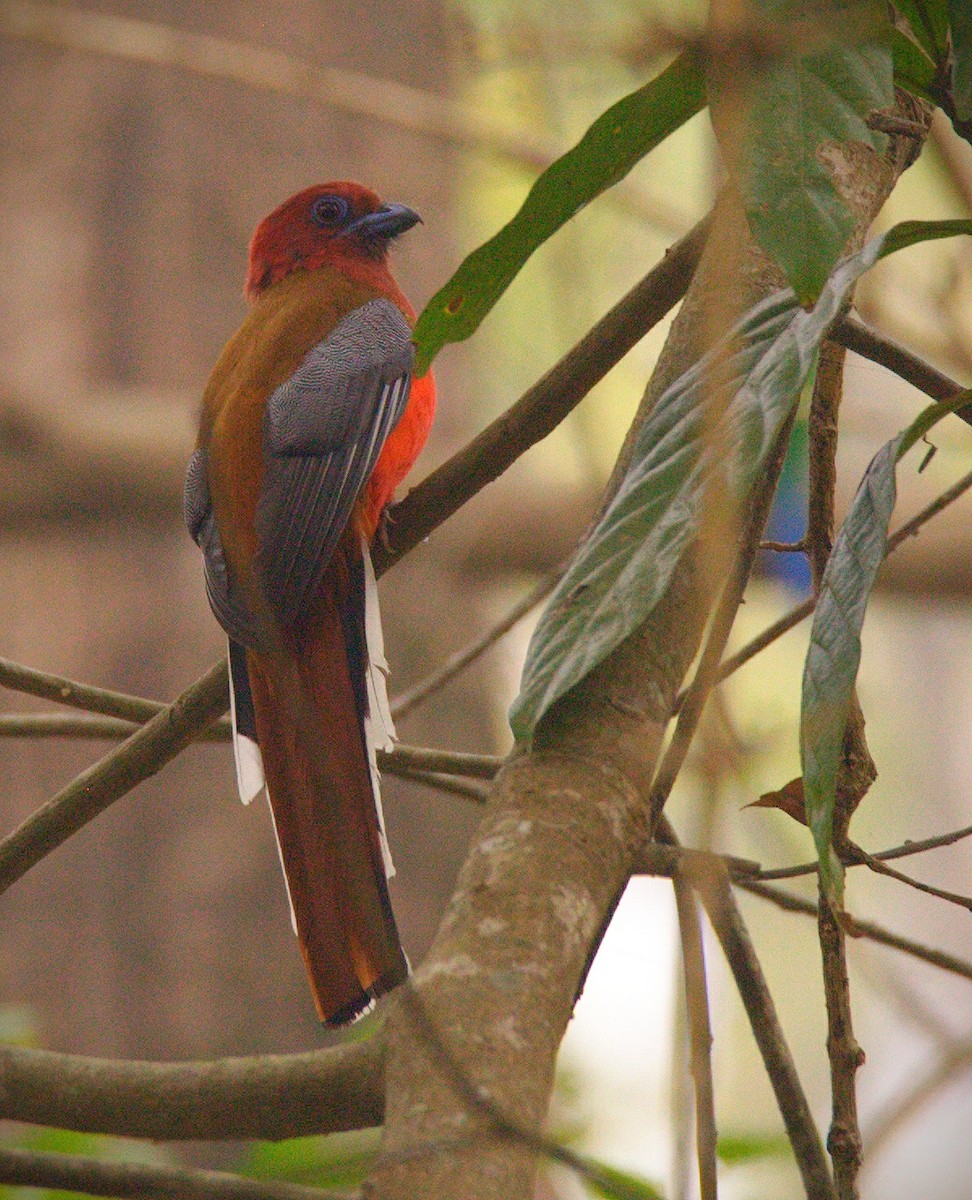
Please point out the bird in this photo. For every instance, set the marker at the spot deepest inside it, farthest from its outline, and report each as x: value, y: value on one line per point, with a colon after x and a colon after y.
x: 310, y: 420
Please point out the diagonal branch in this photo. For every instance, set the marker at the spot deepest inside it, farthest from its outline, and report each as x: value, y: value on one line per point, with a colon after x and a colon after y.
x: 867, y: 929
x: 404, y: 703
x: 135, y: 760
x: 716, y: 895
x: 546, y: 404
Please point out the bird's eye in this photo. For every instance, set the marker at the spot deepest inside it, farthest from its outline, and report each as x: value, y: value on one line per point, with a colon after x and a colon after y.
x: 329, y: 211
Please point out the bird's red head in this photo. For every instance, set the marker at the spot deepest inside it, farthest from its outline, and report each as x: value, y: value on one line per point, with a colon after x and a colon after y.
x: 341, y: 224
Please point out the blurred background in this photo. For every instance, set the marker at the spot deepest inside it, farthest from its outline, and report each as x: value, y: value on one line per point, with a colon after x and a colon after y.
x: 129, y: 187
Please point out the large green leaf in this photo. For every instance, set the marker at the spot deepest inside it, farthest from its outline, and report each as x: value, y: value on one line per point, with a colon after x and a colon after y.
x: 929, y: 21
x: 913, y: 69
x: 834, y: 654
x: 960, y: 12
x: 617, y: 140
x: 775, y: 121
x: 626, y: 564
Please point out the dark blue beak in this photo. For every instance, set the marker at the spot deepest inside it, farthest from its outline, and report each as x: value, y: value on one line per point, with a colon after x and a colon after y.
x: 385, y: 223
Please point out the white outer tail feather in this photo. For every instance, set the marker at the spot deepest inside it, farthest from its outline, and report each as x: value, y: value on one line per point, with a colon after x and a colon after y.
x: 379, y: 726
x: 250, y: 777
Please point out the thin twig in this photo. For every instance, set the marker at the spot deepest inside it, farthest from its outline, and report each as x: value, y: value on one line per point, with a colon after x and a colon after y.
x: 88, y: 726
x: 455, y: 663
x: 854, y: 334
x: 466, y: 789
x: 905, y: 850
x: 141, y: 1181
x: 800, y: 613
x: 404, y: 760
x: 20, y: 678
x: 866, y: 929
x: 91, y: 792
x: 716, y: 894
x: 699, y: 1032
x: 845, y: 1054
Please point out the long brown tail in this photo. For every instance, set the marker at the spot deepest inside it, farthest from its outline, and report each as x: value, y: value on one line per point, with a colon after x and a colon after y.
x: 310, y: 727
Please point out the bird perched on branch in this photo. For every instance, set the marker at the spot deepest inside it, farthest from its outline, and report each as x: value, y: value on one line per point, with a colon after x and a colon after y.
x: 310, y: 420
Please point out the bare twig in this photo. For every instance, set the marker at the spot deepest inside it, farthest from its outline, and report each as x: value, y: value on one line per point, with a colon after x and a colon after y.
x: 905, y: 850
x: 455, y: 663
x: 715, y: 892
x: 272, y: 1096
x: 20, y: 678
x: 466, y: 789
x: 800, y: 613
x: 846, y: 1056
x: 141, y: 1181
x: 699, y: 1031
x: 852, y: 333
x: 866, y: 929
x: 79, y: 725
x: 138, y: 758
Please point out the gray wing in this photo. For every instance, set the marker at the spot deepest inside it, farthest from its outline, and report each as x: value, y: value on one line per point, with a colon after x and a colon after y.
x: 323, y: 431
x: 224, y: 597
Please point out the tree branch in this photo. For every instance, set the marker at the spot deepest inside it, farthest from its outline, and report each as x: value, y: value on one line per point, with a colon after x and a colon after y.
x: 141, y: 1181
x: 264, y: 1096
x: 404, y: 703
x: 716, y: 895
x: 853, y: 334
x: 134, y: 761
x: 699, y: 1031
x: 867, y: 929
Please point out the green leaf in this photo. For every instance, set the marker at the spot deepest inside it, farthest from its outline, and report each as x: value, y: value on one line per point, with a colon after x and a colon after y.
x: 834, y: 654
x: 960, y: 12
x: 626, y: 564
x: 614, y: 1184
x: 929, y: 21
x: 913, y: 69
x: 617, y: 140
x: 753, y: 1147
x: 338, y: 1160
x: 775, y: 124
